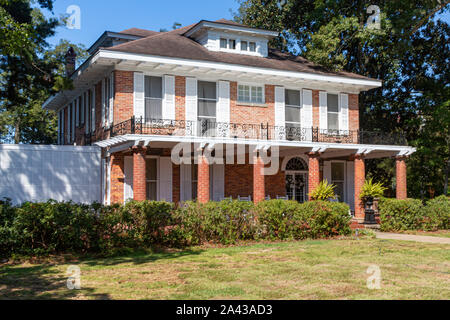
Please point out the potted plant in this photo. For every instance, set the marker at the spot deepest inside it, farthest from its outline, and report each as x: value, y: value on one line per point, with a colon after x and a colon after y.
x: 324, y: 191
x: 370, y: 193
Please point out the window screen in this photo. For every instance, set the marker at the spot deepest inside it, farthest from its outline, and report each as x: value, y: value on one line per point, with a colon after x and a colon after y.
x: 333, y: 111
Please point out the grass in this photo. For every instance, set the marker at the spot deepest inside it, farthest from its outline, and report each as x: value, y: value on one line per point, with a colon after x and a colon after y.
x: 319, y: 269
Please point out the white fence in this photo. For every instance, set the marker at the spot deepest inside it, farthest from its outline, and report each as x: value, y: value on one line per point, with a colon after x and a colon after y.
x: 39, y: 173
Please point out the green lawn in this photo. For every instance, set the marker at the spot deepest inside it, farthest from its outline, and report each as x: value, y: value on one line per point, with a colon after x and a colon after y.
x: 326, y: 269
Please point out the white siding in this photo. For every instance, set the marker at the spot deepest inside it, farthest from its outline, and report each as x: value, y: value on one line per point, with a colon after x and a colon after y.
x: 40, y: 173
x: 185, y: 182
x: 139, y: 95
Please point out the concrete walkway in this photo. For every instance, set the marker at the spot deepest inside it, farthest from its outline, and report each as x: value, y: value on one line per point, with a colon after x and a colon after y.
x: 411, y: 237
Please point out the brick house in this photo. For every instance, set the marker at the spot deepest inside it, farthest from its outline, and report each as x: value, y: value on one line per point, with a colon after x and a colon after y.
x: 216, y: 87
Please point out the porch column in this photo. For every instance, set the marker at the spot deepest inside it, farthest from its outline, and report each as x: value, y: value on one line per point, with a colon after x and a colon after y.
x: 139, y: 175
x: 313, y: 171
x: 203, y: 179
x: 400, y: 177
x: 360, y: 177
x: 259, y: 189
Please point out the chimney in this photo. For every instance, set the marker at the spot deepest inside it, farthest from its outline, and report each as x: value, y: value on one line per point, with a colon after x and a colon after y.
x: 70, y: 61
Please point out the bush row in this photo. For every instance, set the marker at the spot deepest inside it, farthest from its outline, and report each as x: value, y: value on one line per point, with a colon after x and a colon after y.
x: 53, y: 227
x: 412, y: 214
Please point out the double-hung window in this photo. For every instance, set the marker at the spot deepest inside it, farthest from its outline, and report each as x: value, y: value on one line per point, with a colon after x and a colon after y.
x: 153, y: 98
x: 292, y: 114
x: 252, y: 46
x: 333, y: 112
x: 337, y: 178
x: 207, y: 107
x: 151, y: 167
x: 252, y: 94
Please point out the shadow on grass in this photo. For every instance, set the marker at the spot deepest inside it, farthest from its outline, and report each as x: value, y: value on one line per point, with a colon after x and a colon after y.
x: 39, y: 282
x: 140, y: 257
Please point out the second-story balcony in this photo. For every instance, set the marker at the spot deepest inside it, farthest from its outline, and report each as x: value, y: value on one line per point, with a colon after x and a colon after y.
x: 208, y: 128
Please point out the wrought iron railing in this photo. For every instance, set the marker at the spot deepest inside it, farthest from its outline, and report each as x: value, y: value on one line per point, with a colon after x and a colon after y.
x: 209, y: 128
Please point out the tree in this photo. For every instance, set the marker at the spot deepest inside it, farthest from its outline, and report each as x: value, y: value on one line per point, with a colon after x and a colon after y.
x: 336, y: 34
x: 29, y: 73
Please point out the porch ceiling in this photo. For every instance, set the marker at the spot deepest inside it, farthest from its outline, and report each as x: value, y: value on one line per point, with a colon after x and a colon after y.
x: 286, y: 148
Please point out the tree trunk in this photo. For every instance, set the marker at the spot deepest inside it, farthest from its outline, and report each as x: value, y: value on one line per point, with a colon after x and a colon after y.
x: 17, y: 132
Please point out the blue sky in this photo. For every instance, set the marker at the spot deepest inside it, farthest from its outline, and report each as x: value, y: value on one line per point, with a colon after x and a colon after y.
x: 114, y: 15
x: 117, y: 15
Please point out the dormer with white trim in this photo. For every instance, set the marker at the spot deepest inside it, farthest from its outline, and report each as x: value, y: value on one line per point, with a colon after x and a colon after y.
x: 232, y: 38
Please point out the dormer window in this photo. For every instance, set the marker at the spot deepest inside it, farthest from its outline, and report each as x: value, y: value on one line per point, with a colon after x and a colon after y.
x: 232, y: 44
x: 244, y: 46
x: 252, y: 46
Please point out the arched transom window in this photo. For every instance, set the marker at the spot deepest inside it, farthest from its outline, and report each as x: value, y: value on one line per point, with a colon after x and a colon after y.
x: 296, y: 164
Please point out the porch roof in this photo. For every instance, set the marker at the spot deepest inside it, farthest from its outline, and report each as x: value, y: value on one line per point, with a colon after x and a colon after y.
x: 328, y: 150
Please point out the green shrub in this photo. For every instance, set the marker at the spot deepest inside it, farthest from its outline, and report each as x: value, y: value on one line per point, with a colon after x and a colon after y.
x: 327, y: 219
x: 280, y: 219
x: 222, y: 222
x: 397, y: 215
x: 437, y: 214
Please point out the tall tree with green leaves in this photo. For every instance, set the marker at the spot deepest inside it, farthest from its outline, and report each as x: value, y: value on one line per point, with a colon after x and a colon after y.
x: 340, y: 35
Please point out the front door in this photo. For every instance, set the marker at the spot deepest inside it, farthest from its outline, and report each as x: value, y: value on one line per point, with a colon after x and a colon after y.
x: 296, y: 183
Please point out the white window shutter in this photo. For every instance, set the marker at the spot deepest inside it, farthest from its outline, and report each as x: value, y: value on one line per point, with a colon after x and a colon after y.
x: 218, y: 182
x: 93, y: 111
x: 280, y: 113
x: 307, y: 114
x: 62, y: 126
x: 103, y: 103
x: 168, y: 110
x: 139, y: 95
x: 165, y: 179
x: 128, y: 179
x: 350, y: 183
x: 323, y: 110
x: 186, y: 182
x: 343, y: 112
x: 111, y: 99
x: 191, y: 103
x: 223, y: 108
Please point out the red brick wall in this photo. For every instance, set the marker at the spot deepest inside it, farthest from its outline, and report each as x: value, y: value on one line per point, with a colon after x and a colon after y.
x: 180, y: 98
x: 252, y: 114
x: 238, y: 180
x: 259, y: 190
x: 316, y: 112
x: 117, y: 178
x: 276, y: 184
x: 123, y: 95
x: 139, y: 175
x: 353, y: 112
x: 203, y: 180
x: 400, y: 165
x: 360, y: 176
x: 314, y: 172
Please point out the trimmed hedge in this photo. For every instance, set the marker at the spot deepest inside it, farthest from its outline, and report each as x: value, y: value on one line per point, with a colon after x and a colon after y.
x: 52, y: 227
x: 411, y: 214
